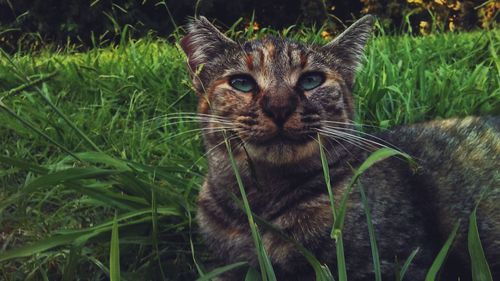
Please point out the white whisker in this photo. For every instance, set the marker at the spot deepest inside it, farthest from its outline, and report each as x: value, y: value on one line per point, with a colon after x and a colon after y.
x: 385, y: 143
x: 352, y: 136
x: 203, y: 130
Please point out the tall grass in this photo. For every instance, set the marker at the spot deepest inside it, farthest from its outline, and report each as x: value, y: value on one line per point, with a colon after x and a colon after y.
x: 94, y: 145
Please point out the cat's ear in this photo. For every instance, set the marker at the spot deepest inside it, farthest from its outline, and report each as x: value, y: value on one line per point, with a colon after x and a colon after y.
x: 347, y: 48
x: 203, y: 42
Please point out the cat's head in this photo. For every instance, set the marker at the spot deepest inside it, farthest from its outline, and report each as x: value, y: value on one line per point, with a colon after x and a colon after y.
x: 273, y: 94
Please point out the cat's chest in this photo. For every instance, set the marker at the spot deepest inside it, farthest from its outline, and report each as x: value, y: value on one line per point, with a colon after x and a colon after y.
x: 273, y: 196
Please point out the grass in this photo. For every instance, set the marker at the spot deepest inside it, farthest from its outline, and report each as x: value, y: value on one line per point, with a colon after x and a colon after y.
x: 99, y: 171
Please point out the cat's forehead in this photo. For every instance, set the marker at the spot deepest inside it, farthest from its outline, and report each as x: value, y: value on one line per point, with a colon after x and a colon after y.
x: 276, y: 53
x: 273, y: 44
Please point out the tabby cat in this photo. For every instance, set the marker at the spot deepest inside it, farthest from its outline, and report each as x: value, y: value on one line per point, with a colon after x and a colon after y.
x: 272, y: 98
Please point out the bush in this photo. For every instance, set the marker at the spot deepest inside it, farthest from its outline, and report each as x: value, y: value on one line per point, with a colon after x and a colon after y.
x: 426, y: 16
x: 89, y: 23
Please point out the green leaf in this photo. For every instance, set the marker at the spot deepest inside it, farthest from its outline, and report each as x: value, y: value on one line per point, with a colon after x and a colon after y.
x: 114, y: 253
x: 340, y: 257
x: 67, y: 175
x: 218, y: 271
x: 480, y: 268
x: 44, y: 93
x: 79, y: 236
x: 252, y: 275
x: 266, y: 269
x: 407, y: 263
x: 374, y: 158
x: 371, y: 232
x: 23, y: 164
x: 378, y: 156
x: 103, y: 158
x: 39, y: 246
x: 441, y: 257
x: 35, y: 129
x: 109, y: 197
x: 326, y: 175
x: 72, y: 262
x: 154, y: 233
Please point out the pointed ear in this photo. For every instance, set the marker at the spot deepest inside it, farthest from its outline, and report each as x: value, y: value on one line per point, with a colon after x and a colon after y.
x: 348, y: 47
x: 203, y: 42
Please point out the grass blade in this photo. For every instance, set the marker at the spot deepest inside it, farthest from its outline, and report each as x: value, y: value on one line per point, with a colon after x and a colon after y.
x: 441, y: 256
x: 73, y: 258
x: 40, y: 246
x: 371, y: 232
x: 266, y: 269
x: 407, y: 263
x: 65, y: 237
x: 339, y: 215
x: 27, y: 85
x: 114, y: 253
x: 322, y: 272
x: 218, y: 271
x: 341, y: 265
x: 44, y: 94
x: 326, y: 175
x: 252, y: 275
x: 154, y: 232
x: 375, y: 157
x: 67, y: 175
x: 23, y: 164
x: 480, y: 269
x: 336, y: 233
x: 38, y: 131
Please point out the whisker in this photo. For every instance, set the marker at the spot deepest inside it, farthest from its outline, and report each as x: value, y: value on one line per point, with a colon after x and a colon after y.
x: 190, y: 122
x: 191, y: 118
x: 386, y: 143
x: 348, y: 138
x: 339, y: 143
x: 187, y: 115
x: 358, y: 145
x: 329, y: 140
x: 324, y: 148
x: 335, y: 138
x: 353, y: 123
x: 360, y: 138
x: 211, y: 149
x: 203, y: 130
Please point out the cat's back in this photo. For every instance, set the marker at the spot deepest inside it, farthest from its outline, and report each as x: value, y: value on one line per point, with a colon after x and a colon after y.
x: 458, y: 136
x: 454, y: 152
x: 459, y: 167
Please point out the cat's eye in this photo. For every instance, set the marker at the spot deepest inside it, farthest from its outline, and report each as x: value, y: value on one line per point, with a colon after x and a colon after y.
x: 243, y: 83
x: 311, y: 80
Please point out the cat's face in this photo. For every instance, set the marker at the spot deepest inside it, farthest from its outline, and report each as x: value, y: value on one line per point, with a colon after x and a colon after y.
x: 273, y: 94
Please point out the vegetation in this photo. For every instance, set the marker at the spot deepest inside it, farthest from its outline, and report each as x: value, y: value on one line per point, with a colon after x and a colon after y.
x: 100, y: 162
x: 34, y: 23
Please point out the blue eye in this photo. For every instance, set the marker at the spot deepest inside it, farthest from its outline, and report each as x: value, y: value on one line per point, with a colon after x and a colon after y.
x: 243, y: 83
x: 311, y: 80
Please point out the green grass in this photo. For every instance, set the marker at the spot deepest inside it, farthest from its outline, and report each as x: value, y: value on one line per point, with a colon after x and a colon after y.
x: 99, y: 173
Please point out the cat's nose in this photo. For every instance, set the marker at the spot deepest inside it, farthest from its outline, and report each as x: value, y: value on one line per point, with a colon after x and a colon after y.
x: 279, y: 106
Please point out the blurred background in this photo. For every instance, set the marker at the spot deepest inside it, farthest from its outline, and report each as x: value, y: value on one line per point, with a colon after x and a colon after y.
x: 87, y: 23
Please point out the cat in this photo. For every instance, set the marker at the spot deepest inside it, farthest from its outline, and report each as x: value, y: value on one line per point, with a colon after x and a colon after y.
x: 271, y: 98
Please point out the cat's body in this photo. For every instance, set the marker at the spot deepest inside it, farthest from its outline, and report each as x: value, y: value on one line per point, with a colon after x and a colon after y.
x: 273, y: 97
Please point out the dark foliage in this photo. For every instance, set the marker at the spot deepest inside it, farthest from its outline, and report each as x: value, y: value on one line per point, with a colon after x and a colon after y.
x: 87, y: 23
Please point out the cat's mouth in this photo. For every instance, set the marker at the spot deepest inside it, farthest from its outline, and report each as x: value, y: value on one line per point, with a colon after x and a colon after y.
x: 282, y: 149
x: 281, y: 139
